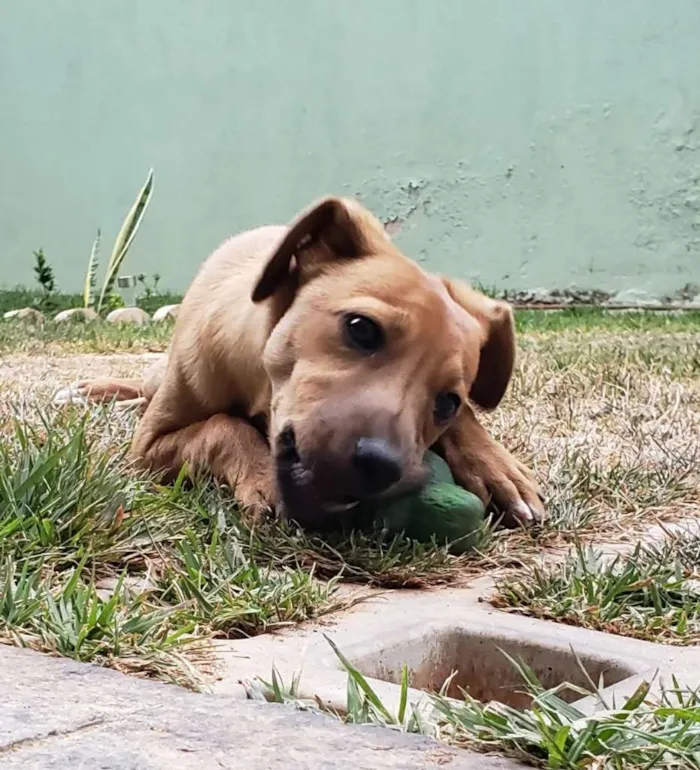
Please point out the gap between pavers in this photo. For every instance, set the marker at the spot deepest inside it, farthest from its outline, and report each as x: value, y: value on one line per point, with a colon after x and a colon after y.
x: 56, y: 713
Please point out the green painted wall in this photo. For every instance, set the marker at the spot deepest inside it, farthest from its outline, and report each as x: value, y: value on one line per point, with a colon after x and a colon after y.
x: 523, y: 143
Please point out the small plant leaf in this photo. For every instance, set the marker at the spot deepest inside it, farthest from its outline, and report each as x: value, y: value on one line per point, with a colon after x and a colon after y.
x: 361, y: 682
x: 125, y: 238
x: 91, y: 274
x: 404, y: 694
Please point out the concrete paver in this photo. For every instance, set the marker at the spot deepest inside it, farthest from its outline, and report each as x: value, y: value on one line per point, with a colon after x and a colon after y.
x: 56, y: 713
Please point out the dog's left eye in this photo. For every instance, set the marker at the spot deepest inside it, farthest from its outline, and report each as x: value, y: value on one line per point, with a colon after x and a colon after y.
x: 446, y: 406
x: 362, y: 333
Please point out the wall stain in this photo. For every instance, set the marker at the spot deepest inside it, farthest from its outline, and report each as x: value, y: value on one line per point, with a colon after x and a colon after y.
x: 669, y: 205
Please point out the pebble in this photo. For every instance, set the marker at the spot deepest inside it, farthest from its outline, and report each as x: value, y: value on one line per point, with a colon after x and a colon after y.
x: 76, y: 314
x: 129, y: 315
x: 28, y: 314
x: 166, y: 313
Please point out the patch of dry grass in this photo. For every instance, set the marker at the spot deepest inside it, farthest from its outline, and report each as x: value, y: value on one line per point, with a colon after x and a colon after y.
x: 29, y: 382
x: 608, y: 416
x: 52, y: 338
x: 605, y: 408
x: 611, y: 423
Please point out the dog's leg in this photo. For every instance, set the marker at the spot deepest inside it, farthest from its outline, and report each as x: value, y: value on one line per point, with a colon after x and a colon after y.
x: 229, y: 447
x: 484, y: 467
x: 107, y: 389
x: 124, y: 392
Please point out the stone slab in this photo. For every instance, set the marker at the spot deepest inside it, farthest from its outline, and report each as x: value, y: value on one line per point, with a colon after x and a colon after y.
x: 56, y: 713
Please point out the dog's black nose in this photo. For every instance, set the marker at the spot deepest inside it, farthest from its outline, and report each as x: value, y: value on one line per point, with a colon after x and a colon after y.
x: 378, y: 464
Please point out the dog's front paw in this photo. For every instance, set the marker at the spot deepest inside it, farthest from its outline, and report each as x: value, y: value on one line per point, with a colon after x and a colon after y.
x: 256, y: 497
x: 487, y: 469
x: 73, y: 394
x: 510, y: 487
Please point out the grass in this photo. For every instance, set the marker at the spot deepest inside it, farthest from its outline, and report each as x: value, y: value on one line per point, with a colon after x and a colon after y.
x: 650, y: 593
x: 369, y: 557
x: 598, y: 319
x: 81, y: 337
x: 610, y: 420
x: 13, y: 299
x: 605, y: 408
x: 603, y: 405
x: 63, y: 613
x: 661, y: 732
x: 101, y: 337
x: 100, y: 563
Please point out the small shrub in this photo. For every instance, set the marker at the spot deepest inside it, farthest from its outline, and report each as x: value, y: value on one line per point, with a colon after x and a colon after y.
x: 47, y: 282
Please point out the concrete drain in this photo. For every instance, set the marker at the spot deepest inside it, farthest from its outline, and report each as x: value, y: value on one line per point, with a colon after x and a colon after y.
x: 478, y: 664
x: 451, y: 629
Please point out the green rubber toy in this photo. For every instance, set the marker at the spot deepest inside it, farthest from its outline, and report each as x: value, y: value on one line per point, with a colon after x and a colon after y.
x: 440, y: 510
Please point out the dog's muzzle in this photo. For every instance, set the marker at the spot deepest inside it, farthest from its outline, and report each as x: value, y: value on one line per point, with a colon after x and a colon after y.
x: 321, y: 493
x: 299, y: 493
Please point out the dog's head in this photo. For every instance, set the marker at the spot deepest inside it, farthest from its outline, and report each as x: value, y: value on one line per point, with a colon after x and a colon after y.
x: 372, y: 359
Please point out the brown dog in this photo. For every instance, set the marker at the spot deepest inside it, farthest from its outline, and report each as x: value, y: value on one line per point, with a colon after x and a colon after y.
x: 313, y: 365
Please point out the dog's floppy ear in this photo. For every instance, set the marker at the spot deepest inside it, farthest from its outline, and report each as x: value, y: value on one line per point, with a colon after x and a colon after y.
x: 332, y: 224
x: 497, y: 352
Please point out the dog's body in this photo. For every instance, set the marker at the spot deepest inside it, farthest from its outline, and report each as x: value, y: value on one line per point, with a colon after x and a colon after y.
x: 313, y: 365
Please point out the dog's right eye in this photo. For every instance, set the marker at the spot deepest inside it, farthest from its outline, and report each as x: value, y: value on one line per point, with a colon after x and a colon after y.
x: 446, y: 406
x: 362, y: 333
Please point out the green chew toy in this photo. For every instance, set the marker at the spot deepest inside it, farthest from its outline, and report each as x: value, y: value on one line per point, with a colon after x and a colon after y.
x: 441, y: 509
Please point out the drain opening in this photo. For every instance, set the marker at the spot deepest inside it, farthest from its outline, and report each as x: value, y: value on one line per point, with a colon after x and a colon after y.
x: 484, y: 671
